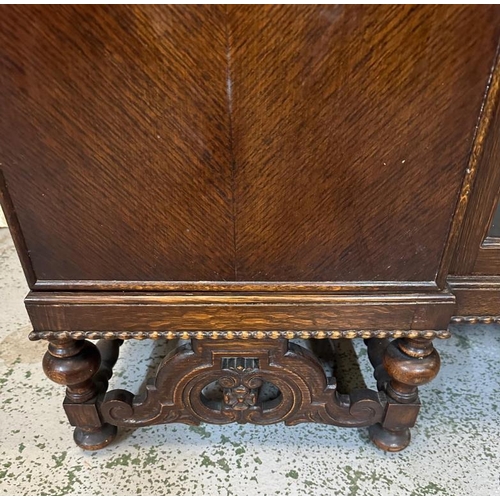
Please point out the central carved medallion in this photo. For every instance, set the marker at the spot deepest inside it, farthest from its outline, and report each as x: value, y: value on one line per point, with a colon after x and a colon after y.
x: 240, y: 389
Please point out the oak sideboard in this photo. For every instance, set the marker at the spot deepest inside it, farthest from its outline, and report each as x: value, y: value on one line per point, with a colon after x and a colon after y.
x: 258, y: 187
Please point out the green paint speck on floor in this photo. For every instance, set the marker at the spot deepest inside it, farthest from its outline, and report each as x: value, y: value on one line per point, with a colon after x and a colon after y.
x: 59, y: 458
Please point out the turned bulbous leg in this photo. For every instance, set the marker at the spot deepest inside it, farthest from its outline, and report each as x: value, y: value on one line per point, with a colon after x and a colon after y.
x: 409, y: 363
x: 74, y: 364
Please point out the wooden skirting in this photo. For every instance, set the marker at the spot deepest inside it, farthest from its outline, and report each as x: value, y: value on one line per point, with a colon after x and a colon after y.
x: 477, y: 297
x: 50, y: 311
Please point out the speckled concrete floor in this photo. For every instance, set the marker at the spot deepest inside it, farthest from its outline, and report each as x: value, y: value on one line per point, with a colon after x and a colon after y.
x: 455, y: 447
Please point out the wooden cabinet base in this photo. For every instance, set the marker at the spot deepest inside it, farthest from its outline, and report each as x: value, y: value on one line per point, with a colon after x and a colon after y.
x: 247, y: 377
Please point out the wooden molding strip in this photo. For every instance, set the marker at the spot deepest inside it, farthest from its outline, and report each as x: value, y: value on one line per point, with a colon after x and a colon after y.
x: 473, y: 283
x: 472, y: 320
x: 234, y: 286
x: 243, y: 335
x: 41, y: 298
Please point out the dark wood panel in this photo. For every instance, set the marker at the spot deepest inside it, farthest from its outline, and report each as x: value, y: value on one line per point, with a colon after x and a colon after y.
x: 352, y: 127
x: 79, y: 311
x: 130, y: 134
x: 114, y: 140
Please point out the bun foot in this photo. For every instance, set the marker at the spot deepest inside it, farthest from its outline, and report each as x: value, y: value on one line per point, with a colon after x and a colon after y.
x: 95, y: 439
x: 389, y: 440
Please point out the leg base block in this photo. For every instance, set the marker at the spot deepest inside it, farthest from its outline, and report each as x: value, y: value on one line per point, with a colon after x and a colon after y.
x: 95, y: 439
x: 389, y: 440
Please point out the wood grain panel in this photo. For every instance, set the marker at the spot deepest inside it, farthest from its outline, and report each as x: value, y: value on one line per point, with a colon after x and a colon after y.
x: 114, y: 140
x: 352, y: 127
x: 144, y: 146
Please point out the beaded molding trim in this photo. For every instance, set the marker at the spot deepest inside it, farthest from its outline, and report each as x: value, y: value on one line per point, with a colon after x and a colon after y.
x: 470, y: 320
x: 228, y: 335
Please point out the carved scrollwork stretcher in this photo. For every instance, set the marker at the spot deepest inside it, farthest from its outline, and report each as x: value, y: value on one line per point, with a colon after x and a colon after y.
x: 241, y: 365
x: 305, y: 393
